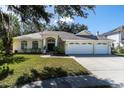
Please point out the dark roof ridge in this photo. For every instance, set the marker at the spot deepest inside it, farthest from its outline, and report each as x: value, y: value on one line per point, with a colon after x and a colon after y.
x: 118, y: 29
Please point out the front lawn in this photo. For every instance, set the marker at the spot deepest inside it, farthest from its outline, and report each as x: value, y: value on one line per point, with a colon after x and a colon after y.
x: 25, y: 68
x: 119, y: 54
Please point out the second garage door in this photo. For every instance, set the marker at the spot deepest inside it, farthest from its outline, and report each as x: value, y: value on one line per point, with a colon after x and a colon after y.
x: 79, y: 48
x: 101, y: 48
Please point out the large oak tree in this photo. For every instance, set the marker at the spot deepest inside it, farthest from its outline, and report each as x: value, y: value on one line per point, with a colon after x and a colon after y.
x: 36, y: 14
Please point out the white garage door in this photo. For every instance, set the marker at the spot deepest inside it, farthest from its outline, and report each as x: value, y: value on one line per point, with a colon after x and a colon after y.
x: 79, y: 48
x: 101, y: 48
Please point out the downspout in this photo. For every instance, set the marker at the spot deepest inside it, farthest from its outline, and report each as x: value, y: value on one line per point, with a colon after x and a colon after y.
x: 119, y: 38
x: 108, y: 43
x: 93, y: 48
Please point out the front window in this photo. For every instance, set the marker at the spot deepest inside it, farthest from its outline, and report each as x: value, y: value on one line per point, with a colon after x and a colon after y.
x: 35, y: 44
x: 23, y: 44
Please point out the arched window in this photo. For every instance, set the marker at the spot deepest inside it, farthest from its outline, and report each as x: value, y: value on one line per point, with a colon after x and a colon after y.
x: 51, y: 40
x: 35, y: 44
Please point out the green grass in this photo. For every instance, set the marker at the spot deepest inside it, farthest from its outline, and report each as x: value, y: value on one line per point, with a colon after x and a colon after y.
x: 38, y: 63
x: 119, y: 54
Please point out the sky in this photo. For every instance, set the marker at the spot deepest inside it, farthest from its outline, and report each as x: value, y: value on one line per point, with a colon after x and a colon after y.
x: 106, y: 18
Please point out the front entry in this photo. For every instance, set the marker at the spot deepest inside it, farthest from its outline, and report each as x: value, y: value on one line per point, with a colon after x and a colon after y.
x: 50, y: 46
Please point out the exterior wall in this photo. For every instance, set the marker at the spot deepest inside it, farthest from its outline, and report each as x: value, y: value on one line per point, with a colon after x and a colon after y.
x: 61, y: 45
x: 116, y: 38
x: 122, y: 35
x: 17, y: 45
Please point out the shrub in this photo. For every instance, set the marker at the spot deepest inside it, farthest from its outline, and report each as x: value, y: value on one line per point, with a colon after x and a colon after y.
x: 59, y: 50
x: 114, y: 51
x: 118, y: 50
x: 11, y: 59
x: 16, y: 51
x: 50, y: 72
x: 24, y: 79
x: 121, y: 50
x: 5, y: 71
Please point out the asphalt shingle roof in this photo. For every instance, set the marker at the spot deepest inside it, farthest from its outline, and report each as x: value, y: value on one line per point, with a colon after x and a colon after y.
x: 117, y: 30
x: 63, y: 35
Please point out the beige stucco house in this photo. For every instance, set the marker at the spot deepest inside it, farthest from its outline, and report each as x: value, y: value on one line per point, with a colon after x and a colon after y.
x: 81, y: 43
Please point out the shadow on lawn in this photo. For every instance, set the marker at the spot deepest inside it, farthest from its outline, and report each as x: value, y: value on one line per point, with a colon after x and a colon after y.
x: 5, y: 71
x: 55, y: 78
x: 48, y: 72
x: 11, y: 59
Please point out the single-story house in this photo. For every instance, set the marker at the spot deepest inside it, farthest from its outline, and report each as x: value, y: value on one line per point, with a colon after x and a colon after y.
x: 81, y: 43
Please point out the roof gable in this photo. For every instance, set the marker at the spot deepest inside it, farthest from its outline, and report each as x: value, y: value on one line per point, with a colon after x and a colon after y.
x: 84, y: 32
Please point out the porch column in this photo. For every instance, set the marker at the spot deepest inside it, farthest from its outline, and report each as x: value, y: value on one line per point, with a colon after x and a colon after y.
x: 56, y: 43
x: 44, y: 42
x: 44, y: 45
x: 94, y: 47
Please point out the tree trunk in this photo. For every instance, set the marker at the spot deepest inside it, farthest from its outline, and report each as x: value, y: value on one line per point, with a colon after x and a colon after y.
x: 7, y: 42
x: 6, y: 35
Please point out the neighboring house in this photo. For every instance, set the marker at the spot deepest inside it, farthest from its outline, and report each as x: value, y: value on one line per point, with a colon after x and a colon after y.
x: 117, y: 35
x: 81, y: 43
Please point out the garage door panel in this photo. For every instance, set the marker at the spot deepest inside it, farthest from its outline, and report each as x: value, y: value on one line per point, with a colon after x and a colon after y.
x: 79, y: 49
x: 101, y: 49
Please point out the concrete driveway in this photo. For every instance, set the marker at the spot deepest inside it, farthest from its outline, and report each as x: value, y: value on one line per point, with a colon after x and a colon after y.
x: 110, y: 68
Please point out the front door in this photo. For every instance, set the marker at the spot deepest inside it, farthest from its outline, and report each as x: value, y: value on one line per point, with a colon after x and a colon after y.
x: 50, y: 46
